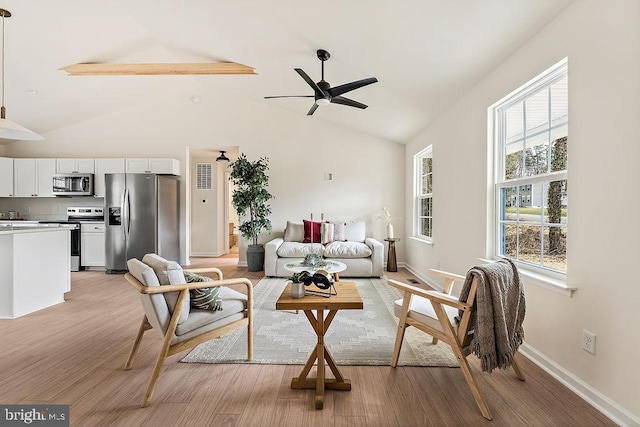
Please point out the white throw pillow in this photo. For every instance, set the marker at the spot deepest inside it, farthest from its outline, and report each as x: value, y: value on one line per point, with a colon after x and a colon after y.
x: 326, y: 233
x: 355, y: 231
x: 294, y: 232
x: 347, y: 250
x: 338, y: 230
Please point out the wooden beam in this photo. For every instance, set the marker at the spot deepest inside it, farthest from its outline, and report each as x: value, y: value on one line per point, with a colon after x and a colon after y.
x: 157, y: 69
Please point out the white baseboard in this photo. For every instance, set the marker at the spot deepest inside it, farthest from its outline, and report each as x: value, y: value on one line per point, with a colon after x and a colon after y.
x: 208, y: 254
x: 422, y: 277
x: 602, y: 403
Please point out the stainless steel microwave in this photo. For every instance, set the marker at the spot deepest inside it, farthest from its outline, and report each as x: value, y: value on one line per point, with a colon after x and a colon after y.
x: 73, y: 184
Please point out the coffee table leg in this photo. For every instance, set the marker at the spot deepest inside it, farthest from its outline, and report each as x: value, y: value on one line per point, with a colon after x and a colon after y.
x: 320, y: 356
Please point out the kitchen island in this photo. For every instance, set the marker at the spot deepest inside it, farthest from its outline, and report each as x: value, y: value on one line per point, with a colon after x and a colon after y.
x: 34, y: 269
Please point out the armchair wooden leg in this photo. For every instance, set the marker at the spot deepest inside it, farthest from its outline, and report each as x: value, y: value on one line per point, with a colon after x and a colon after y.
x: 402, y: 326
x: 144, y: 326
x: 475, y: 391
x: 398, y: 345
x: 250, y: 340
x: 517, y: 370
x: 156, y: 369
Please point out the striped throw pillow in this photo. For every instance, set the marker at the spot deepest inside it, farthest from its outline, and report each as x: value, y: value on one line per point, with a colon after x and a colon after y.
x: 205, y: 298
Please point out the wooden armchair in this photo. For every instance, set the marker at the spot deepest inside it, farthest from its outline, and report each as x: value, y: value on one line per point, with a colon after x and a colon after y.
x: 180, y: 332
x: 435, y: 313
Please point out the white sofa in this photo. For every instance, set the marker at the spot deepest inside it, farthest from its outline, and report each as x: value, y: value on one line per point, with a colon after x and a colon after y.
x: 347, y: 243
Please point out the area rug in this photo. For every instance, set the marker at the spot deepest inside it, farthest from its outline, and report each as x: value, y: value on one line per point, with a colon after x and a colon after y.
x: 356, y: 337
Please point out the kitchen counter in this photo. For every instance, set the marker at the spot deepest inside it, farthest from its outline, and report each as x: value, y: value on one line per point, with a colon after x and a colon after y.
x: 8, y: 229
x: 34, y: 268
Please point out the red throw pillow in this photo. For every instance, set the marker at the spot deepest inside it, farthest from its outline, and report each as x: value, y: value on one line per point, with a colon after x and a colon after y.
x: 311, y: 227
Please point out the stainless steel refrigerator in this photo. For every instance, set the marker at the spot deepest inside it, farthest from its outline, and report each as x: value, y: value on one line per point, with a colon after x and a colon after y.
x: 141, y: 217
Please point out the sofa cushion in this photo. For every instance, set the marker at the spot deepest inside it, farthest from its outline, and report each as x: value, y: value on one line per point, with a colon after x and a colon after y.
x: 294, y: 232
x: 354, y: 231
x: 326, y: 233
x: 311, y: 231
x: 169, y: 273
x: 347, y: 250
x: 299, y: 250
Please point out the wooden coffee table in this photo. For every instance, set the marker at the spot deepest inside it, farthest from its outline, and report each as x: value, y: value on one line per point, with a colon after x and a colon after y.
x: 348, y: 298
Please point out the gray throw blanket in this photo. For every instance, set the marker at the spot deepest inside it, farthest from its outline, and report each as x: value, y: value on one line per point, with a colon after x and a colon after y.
x: 500, y: 310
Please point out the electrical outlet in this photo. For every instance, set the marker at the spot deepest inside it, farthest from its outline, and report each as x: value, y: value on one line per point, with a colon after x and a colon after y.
x: 589, y: 341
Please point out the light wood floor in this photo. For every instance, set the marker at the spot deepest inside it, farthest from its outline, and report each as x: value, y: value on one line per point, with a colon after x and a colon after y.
x: 73, y: 353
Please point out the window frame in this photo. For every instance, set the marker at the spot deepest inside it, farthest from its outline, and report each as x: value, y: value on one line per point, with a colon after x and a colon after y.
x: 498, y: 143
x: 419, y: 196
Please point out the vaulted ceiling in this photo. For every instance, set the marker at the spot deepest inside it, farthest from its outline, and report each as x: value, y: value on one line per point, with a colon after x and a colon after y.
x: 425, y: 54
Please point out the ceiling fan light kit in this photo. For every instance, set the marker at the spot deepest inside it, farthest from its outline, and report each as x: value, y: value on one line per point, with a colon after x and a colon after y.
x: 8, y: 129
x: 323, y: 93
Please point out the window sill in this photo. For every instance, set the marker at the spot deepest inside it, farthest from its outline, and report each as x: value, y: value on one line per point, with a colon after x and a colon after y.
x: 423, y: 241
x: 537, y: 279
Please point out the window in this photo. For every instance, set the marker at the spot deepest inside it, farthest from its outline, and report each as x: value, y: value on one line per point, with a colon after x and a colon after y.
x: 531, y: 191
x: 423, y: 172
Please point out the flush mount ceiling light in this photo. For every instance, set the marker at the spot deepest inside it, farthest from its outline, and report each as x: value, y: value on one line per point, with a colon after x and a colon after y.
x: 222, y: 157
x: 9, y: 129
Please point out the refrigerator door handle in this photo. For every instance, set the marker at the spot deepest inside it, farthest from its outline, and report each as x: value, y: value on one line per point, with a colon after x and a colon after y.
x: 125, y: 213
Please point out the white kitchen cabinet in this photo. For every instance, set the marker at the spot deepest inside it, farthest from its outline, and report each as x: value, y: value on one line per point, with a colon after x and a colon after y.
x: 75, y: 166
x: 163, y: 166
x: 6, y: 177
x: 103, y: 167
x: 92, y: 245
x: 33, y: 177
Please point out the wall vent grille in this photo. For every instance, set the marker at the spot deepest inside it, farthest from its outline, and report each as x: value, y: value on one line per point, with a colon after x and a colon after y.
x: 203, y: 176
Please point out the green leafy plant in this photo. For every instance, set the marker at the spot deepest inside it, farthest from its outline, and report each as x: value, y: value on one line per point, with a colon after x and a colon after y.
x: 298, y: 277
x: 250, y: 196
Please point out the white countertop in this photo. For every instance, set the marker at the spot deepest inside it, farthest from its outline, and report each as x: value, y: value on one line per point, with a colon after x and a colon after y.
x: 29, y: 229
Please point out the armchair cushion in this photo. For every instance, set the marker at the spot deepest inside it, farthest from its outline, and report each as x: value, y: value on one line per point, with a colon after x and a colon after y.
x: 204, y: 298
x: 169, y: 273
x: 346, y: 250
x: 234, y: 305
x: 154, y: 305
x: 421, y: 310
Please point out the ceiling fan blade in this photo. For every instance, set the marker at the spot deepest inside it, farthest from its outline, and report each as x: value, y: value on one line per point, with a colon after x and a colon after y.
x: 309, y: 81
x: 289, y: 96
x: 347, y: 87
x: 346, y: 101
x: 313, y: 109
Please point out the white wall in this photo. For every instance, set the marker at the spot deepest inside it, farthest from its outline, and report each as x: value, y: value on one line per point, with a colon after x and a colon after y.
x: 601, y: 40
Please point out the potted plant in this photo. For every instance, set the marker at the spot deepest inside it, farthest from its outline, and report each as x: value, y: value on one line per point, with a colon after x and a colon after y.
x: 250, y: 198
x: 297, y: 283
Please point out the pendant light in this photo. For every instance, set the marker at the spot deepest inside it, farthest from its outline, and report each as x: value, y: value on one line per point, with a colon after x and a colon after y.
x: 9, y: 129
x: 222, y: 157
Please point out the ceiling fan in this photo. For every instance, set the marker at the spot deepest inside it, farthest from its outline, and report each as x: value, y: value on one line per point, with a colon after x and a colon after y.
x: 323, y: 93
